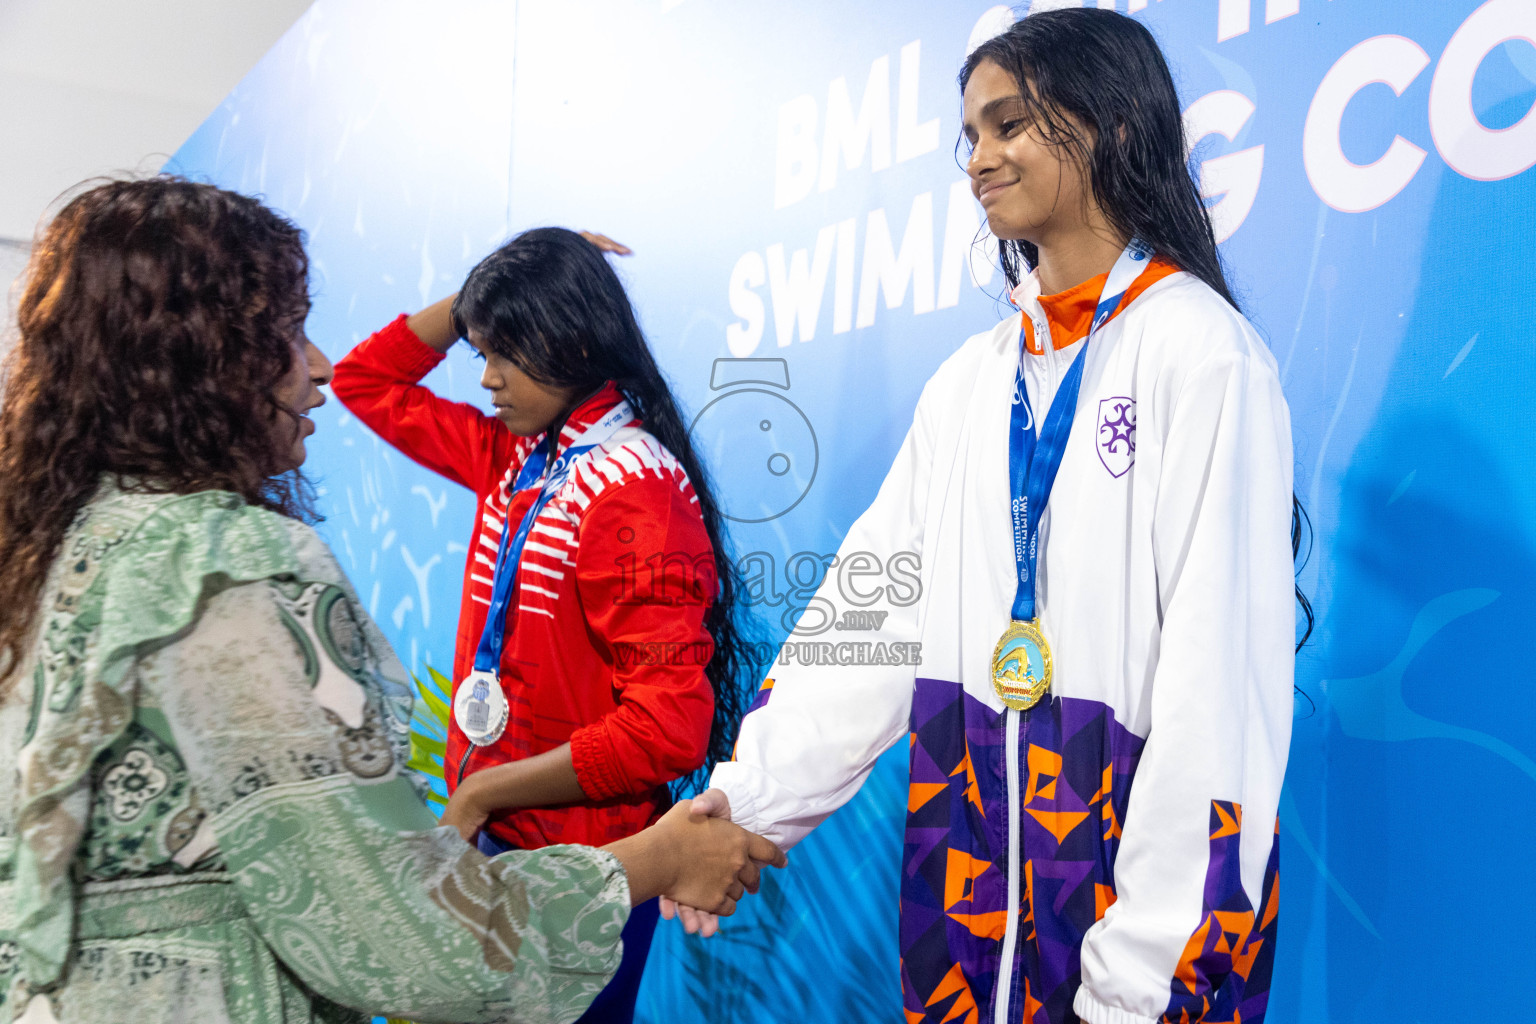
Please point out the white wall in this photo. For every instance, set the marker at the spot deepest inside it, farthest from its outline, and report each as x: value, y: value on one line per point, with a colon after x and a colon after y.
x: 92, y: 87
x: 13, y: 257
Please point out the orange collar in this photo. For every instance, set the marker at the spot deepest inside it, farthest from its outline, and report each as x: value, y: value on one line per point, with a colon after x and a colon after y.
x: 1070, y: 313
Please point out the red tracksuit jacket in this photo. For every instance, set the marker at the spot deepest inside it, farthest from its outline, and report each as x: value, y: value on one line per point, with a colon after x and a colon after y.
x: 605, y: 644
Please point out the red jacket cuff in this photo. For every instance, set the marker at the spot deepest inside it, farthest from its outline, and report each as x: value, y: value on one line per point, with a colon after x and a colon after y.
x: 597, y: 770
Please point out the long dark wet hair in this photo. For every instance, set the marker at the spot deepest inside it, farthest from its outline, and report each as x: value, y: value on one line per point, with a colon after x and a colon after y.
x: 156, y: 321
x: 549, y: 302
x: 1103, y: 71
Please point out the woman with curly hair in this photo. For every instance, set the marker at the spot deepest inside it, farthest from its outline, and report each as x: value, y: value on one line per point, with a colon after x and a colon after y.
x: 208, y: 820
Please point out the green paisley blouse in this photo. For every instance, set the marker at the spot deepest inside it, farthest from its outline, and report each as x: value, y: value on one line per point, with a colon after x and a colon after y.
x: 208, y: 819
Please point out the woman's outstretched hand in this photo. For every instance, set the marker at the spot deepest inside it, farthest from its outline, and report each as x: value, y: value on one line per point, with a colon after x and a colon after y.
x: 712, y: 803
x: 695, y: 859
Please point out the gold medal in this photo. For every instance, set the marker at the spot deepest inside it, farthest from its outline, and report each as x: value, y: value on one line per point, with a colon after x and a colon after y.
x: 1021, y: 665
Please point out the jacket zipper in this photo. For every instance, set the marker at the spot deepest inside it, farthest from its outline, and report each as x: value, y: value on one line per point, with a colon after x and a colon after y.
x: 1011, y: 930
x: 1014, y: 723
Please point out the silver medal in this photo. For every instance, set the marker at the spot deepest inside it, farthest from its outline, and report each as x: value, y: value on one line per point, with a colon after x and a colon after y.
x: 480, y: 708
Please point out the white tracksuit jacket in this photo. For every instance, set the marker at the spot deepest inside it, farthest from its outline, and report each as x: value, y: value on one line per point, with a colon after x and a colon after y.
x: 1113, y: 852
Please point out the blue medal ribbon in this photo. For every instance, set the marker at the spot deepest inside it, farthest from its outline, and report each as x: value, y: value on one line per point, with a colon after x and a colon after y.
x: 1032, y: 463
x: 509, y: 552
x: 479, y: 706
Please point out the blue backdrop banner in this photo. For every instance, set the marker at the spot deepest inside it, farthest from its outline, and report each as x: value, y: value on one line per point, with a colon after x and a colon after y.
x: 808, y: 252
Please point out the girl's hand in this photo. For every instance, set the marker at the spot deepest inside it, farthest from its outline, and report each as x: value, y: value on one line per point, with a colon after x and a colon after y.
x: 712, y: 803
x: 606, y: 244
x: 697, y: 860
x: 434, y: 325
x: 718, y: 863
x: 464, y: 814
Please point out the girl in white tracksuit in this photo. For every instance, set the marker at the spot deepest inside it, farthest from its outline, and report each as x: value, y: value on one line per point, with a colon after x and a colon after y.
x: 1110, y: 853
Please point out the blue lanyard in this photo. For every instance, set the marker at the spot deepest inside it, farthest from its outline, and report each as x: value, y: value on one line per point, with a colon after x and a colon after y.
x: 1032, y: 464
x: 509, y: 553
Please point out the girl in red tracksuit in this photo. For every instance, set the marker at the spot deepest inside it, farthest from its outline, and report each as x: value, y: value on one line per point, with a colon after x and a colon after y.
x: 608, y: 669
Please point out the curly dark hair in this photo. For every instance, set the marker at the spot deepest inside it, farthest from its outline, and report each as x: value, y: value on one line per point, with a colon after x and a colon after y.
x: 156, y: 320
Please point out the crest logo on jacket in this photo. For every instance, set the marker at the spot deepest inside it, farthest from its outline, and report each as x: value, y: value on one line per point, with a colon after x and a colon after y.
x: 1117, y: 434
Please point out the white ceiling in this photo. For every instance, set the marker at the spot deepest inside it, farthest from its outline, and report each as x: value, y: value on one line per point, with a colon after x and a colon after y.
x: 90, y: 87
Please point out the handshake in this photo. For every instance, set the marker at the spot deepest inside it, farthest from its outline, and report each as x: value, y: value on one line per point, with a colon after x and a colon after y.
x: 696, y: 861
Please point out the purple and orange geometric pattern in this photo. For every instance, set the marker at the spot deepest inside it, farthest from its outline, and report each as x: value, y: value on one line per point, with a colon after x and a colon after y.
x: 761, y: 697
x: 758, y: 700
x: 1224, y: 973
x: 1076, y: 767
x: 954, y: 886
x: 1075, y: 771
